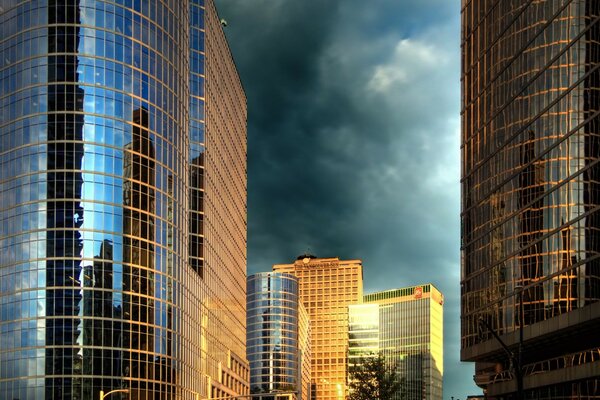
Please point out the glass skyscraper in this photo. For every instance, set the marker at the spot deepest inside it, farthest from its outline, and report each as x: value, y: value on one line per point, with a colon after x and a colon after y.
x: 405, y: 326
x: 531, y: 196
x: 363, y: 333
x: 277, y: 336
x: 121, y: 125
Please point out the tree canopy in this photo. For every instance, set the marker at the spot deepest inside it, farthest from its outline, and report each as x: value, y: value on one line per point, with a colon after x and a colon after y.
x: 374, y: 379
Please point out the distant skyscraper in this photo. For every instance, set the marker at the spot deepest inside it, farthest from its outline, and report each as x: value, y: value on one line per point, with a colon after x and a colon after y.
x: 327, y: 287
x: 122, y: 201
x: 406, y: 327
x: 531, y: 195
x: 277, y: 336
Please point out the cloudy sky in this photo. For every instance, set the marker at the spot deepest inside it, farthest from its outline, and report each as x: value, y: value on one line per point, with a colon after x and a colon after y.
x: 353, y: 141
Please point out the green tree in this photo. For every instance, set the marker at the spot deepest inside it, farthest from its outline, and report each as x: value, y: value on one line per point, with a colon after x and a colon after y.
x: 374, y: 379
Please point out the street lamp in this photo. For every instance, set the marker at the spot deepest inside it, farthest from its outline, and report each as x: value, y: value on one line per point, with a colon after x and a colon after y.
x: 519, y: 365
x: 517, y: 360
x: 103, y: 396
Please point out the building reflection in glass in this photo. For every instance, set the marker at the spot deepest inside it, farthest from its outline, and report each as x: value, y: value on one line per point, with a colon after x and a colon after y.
x: 138, y: 253
x: 108, y: 188
x: 530, y: 173
x: 65, y: 213
x: 93, y: 113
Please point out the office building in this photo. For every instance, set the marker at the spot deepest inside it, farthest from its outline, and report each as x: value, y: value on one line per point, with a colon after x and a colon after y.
x: 277, y: 336
x: 122, y: 201
x: 530, y: 268
x: 327, y: 287
x: 363, y: 333
x: 405, y: 326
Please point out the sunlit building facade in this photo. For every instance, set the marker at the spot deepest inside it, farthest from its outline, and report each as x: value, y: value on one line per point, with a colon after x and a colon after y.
x: 327, y: 287
x: 304, y: 353
x: 530, y: 195
x: 405, y: 326
x: 110, y: 114
x: 278, y: 330
x: 363, y: 333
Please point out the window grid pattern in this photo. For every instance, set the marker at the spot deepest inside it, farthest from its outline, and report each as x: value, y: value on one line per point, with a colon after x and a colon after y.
x: 327, y: 287
x: 273, y: 347
x: 409, y: 333
x: 95, y: 290
x: 225, y: 229
x: 530, y: 140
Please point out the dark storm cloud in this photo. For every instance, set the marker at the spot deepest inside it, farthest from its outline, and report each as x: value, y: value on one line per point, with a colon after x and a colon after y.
x: 353, y: 140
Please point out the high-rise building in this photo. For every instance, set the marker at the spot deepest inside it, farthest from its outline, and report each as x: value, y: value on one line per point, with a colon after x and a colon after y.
x: 405, y: 326
x: 327, y: 287
x: 122, y: 201
x: 277, y: 336
x: 363, y: 333
x: 530, y: 236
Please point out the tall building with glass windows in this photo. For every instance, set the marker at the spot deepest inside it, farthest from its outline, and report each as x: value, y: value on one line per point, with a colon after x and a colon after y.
x: 327, y: 287
x: 122, y: 201
x: 530, y: 215
x: 363, y: 333
x: 405, y: 326
x: 277, y: 336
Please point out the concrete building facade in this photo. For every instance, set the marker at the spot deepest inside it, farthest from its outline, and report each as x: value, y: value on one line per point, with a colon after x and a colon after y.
x: 327, y: 287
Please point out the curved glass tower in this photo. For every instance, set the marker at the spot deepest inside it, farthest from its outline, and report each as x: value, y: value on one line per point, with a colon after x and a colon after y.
x: 273, y: 322
x: 531, y: 193
x: 100, y: 287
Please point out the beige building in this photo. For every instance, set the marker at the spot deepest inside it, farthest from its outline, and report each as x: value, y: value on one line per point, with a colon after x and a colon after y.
x: 304, y: 353
x: 327, y: 287
x: 225, y: 215
x: 217, y: 217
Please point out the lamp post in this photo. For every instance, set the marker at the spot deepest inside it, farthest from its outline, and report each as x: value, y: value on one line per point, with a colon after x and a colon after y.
x: 519, y: 366
x: 103, y: 396
x: 517, y: 360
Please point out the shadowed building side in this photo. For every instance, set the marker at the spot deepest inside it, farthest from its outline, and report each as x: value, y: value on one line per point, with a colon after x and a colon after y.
x: 530, y: 237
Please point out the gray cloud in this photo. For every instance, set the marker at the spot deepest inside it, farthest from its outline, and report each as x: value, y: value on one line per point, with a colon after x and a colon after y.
x: 353, y: 140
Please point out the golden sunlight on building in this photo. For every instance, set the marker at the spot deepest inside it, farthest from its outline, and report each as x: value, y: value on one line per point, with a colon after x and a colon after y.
x: 327, y: 287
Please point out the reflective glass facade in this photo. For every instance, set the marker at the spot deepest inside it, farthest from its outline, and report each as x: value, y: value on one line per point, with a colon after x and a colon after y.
x: 411, y: 336
x: 530, y: 192
x: 273, y: 334
x: 98, y: 290
x: 327, y: 287
x: 363, y: 332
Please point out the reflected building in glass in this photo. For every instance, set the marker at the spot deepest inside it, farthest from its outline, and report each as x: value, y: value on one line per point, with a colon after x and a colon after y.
x: 530, y: 195
x: 277, y: 336
x: 406, y: 326
x: 327, y: 287
x: 122, y: 201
